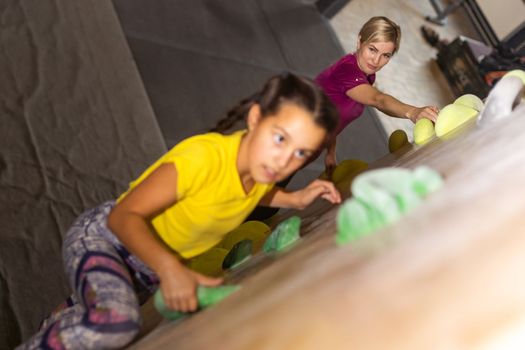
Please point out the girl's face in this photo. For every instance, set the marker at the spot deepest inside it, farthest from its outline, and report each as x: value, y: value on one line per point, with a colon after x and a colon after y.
x: 279, y: 144
x: 371, y: 57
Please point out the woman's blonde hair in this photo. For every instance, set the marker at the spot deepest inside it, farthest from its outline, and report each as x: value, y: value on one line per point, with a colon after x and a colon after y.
x: 380, y: 29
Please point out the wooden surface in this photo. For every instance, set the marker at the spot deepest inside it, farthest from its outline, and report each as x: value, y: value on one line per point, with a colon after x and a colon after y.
x: 449, y: 275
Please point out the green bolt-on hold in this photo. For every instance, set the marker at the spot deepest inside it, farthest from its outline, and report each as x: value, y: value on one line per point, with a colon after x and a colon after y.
x: 397, y: 183
x: 380, y: 197
x: 206, y: 296
x: 240, y: 252
x: 352, y: 221
x: 370, y: 193
x: 284, y: 235
x: 426, y: 180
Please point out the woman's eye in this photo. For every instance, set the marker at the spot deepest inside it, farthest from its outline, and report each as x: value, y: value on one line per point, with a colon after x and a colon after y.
x: 278, y: 138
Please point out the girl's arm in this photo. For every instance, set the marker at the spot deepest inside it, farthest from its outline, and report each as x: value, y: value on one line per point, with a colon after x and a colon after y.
x: 129, y: 221
x: 370, y: 96
x: 280, y: 198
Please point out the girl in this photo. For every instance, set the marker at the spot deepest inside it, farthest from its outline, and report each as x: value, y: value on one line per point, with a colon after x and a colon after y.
x: 118, y: 253
x: 348, y: 82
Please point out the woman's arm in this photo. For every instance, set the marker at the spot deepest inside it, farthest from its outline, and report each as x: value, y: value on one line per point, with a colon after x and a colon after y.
x: 129, y: 221
x: 280, y: 198
x: 370, y: 96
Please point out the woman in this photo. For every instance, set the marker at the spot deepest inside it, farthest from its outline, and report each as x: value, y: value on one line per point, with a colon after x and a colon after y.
x: 349, y: 81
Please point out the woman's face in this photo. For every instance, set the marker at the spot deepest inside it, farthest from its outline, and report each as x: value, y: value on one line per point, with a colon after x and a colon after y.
x: 280, y: 144
x: 371, y: 57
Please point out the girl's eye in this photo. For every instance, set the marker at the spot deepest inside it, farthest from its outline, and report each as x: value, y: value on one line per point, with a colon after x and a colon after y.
x: 387, y: 55
x: 301, y: 154
x: 278, y: 139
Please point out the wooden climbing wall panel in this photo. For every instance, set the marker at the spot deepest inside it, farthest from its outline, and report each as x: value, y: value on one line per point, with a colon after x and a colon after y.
x: 448, y: 275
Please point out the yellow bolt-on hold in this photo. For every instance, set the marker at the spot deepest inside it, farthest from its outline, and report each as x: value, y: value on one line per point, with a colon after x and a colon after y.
x: 255, y: 231
x: 452, y: 116
x: 397, y: 139
x: 516, y: 73
x: 471, y: 101
x: 209, y: 263
x: 348, y: 168
x: 423, y: 131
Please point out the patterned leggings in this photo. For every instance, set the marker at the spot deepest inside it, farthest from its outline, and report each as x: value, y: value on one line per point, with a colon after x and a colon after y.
x: 109, y: 286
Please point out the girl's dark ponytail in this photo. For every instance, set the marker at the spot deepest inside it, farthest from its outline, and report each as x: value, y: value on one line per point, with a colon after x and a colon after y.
x: 236, y: 114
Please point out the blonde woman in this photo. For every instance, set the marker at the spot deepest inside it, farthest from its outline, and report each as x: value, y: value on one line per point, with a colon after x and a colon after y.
x: 349, y: 81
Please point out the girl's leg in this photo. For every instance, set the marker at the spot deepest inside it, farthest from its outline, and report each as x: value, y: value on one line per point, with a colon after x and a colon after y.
x: 107, y: 315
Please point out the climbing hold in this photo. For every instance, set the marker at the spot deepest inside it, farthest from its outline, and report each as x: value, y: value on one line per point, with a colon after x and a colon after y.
x: 502, y: 99
x: 354, y: 220
x: 240, y: 252
x: 210, y: 262
x: 348, y: 168
x: 397, y: 140
x: 452, y: 116
x: 470, y: 101
x: 255, y: 231
x: 206, y: 297
x: 380, y: 197
x: 284, y: 235
x: 516, y: 73
x: 423, y: 131
x: 426, y: 180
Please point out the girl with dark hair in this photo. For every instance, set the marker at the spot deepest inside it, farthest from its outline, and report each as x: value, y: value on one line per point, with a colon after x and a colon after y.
x: 117, y: 254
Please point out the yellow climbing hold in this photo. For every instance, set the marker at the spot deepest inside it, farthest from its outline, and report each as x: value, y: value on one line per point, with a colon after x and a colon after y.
x: 516, y: 73
x: 471, y: 101
x: 452, y: 116
x: 397, y: 139
x: 348, y: 168
x: 210, y: 262
x: 423, y: 131
x: 255, y: 231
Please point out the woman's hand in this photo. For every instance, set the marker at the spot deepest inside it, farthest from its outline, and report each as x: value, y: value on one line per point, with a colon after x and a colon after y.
x: 427, y: 112
x: 178, y: 285
x: 317, y: 188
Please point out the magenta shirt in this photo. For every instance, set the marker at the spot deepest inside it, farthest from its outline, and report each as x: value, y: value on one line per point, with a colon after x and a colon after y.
x: 336, y: 80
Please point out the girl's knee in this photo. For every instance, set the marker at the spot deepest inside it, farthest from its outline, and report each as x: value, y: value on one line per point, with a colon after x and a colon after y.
x: 111, y: 329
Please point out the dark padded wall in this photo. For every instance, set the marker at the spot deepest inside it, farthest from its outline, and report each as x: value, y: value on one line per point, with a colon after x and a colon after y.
x: 198, y: 58
x: 75, y: 128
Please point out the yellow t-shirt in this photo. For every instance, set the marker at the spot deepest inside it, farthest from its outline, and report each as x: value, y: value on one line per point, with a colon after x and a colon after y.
x: 210, y: 198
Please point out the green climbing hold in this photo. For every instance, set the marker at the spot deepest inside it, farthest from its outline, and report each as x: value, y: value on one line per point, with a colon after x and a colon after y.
x: 426, y: 180
x: 382, y: 196
x: 353, y: 220
x: 240, y: 252
x: 284, y: 235
x: 370, y: 192
x: 396, y: 183
x: 206, y: 296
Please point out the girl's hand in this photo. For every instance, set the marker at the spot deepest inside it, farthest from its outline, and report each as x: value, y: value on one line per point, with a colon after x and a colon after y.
x: 330, y: 163
x: 178, y: 285
x: 317, y: 188
x: 428, y: 112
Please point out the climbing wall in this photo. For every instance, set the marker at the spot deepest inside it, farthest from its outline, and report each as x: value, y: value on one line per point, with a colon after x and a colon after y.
x: 447, y: 275
x: 75, y: 127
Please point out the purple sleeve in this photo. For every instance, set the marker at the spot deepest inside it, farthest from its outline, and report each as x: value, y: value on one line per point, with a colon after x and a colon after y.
x: 347, y: 75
